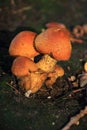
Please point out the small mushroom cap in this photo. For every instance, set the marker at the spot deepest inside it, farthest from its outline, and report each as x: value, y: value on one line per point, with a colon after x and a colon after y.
x: 54, y: 41
x: 23, y: 44
x: 85, y: 66
x: 55, y: 24
x: 22, y: 66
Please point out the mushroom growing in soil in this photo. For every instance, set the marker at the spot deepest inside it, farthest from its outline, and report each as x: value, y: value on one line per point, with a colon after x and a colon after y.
x: 30, y: 79
x: 23, y: 45
x: 55, y: 43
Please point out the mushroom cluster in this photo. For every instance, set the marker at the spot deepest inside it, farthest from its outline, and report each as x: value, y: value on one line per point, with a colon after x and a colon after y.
x: 54, y: 44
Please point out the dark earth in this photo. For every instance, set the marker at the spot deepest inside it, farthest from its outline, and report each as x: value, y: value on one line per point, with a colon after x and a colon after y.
x: 49, y: 108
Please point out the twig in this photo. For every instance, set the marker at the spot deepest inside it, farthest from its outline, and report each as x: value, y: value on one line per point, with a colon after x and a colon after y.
x: 76, y: 91
x: 12, y: 87
x: 69, y: 83
x: 77, y: 40
x: 75, y: 119
x: 22, y: 10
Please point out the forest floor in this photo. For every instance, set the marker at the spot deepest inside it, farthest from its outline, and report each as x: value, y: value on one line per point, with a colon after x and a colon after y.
x: 48, y: 109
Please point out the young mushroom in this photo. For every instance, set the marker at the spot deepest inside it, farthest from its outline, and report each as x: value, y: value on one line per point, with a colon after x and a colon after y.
x: 55, y: 43
x: 30, y: 79
x: 85, y: 66
x: 55, y: 24
x: 22, y: 67
x: 52, y: 76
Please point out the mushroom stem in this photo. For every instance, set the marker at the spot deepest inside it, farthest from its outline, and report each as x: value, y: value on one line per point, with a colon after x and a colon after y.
x: 76, y: 40
x: 33, y: 82
x: 27, y: 94
x: 47, y: 63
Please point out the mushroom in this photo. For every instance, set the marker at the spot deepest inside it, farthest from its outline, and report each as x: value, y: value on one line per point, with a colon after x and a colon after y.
x: 23, y: 45
x: 52, y: 76
x: 78, y: 31
x: 85, y: 66
x: 37, y: 79
x: 55, y: 44
x: 23, y: 66
x: 46, y: 64
x: 30, y: 79
x: 55, y: 24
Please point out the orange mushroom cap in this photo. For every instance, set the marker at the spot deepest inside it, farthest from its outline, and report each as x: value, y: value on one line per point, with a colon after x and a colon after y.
x: 55, y: 24
x: 54, y: 41
x: 23, y: 45
x: 22, y: 66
